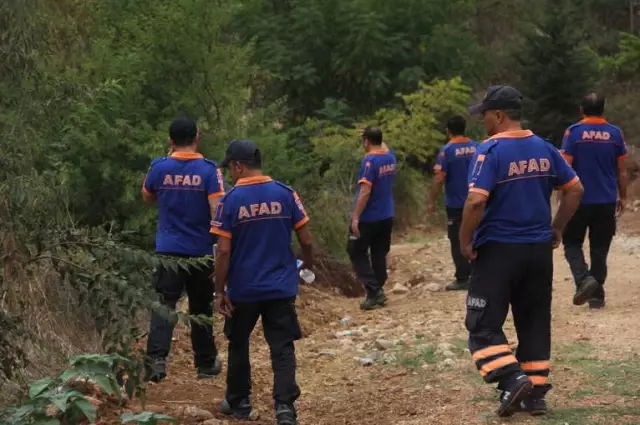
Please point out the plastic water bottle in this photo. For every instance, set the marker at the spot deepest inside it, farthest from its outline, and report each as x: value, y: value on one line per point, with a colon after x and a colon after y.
x: 305, y: 274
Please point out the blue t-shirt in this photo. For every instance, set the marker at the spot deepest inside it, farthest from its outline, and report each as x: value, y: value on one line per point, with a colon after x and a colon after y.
x: 378, y: 170
x: 453, y: 161
x: 183, y: 183
x: 593, y: 147
x: 259, y: 215
x: 518, y: 171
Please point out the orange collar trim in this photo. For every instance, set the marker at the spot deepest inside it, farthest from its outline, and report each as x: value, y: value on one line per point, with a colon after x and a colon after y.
x: 376, y: 152
x: 186, y: 155
x: 593, y: 120
x: 516, y: 134
x: 459, y: 139
x: 246, y: 181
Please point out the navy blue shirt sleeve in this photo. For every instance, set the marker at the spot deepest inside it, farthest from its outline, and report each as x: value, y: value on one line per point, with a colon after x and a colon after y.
x: 299, y: 215
x: 222, y: 222
x: 367, y: 173
x: 441, y: 161
x: 214, y: 183
x: 565, y: 176
x: 151, y: 183
x: 484, y: 174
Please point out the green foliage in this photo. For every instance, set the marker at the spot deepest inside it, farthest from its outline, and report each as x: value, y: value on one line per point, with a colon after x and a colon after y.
x: 556, y: 70
x: 146, y: 418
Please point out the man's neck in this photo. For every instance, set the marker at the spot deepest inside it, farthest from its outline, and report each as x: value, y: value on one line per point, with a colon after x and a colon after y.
x: 190, y: 148
x: 251, y: 173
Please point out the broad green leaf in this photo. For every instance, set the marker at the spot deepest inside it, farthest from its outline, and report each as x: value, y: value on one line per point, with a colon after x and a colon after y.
x: 87, y: 409
x: 37, y: 387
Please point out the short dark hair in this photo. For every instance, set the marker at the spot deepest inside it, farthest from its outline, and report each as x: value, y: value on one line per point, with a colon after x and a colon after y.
x: 253, y: 164
x: 183, y: 131
x: 592, y: 105
x: 513, y: 114
x: 373, y: 135
x: 457, y: 125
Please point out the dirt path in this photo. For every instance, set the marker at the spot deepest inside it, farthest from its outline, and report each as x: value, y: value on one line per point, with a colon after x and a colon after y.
x: 421, y: 371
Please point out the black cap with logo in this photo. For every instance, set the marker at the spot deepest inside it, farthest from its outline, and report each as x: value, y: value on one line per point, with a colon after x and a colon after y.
x: 498, y: 98
x: 241, y: 150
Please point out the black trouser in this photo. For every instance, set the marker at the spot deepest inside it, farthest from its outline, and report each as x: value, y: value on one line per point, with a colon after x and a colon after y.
x: 519, y: 275
x: 600, y: 220
x: 281, y: 329
x: 463, y: 267
x: 169, y: 285
x: 371, y: 271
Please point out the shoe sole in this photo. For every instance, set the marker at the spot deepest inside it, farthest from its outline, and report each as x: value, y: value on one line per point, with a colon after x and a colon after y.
x: 537, y: 412
x: 506, y: 410
x: 584, y: 293
x: 456, y: 289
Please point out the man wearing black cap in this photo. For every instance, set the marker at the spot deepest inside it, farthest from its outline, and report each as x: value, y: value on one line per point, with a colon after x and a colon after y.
x: 372, y: 217
x: 254, y: 259
x: 508, y: 233
x: 596, y: 150
x: 187, y: 188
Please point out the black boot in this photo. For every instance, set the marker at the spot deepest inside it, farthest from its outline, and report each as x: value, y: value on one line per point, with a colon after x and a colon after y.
x: 460, y: 285
x: 374, y: 301
x: 240, y: 410
x: 585, y: 290
x: 515, y: 389
x: 597, y: 299
x: 286, y: 414
x: 155, y: 370
x: 535, y: 403
x: 208, y: 372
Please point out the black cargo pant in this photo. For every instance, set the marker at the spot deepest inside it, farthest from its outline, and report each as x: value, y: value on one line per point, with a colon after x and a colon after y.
x: 600, y: 220
x: 519, y: 275
x: 281, y: 328
x: 169, y: 285
x: 463, y: 267
x: 371, y: 271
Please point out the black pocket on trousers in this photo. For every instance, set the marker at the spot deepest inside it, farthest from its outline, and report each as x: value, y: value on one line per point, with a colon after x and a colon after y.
x: 476, y: 306
x: 296, y: 329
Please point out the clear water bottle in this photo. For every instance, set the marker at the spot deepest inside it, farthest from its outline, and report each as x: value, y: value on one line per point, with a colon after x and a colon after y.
x: 306, y: 275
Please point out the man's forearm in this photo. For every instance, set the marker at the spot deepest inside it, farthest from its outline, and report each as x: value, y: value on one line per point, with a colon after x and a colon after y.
x: 471, y: 217
x: 307, y: 254
x: 222, y: 270
x: 623, y: 183
x: 361, y: 203
x: 569, y: 203
x: 436, y: 188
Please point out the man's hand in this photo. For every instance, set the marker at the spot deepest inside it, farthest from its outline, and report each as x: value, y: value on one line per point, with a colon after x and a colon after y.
x: 223, y: 305
x: 621, y: 205
x: 355, y: 230
x: 468, y: 252
x: 556, y: 237
x: 431, y: 208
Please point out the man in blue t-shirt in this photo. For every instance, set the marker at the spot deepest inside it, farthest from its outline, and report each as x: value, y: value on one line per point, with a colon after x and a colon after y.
x: 508, y: 233
x: 187, y: 188
x: 254, y: 223
x: 372, y: 218
x: 596, y: 150
x: 452, y: 171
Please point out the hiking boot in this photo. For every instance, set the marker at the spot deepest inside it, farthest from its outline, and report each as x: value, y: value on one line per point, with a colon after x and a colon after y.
x: 209, y: 372
x: 534, y: 403
x: 375, y: 301
x: 585, y: 290
x: 596, y: 303
x: 516, y: 389
x: 460, y: 285
x: 241, y: 409
x: 155, y: 370
x: 286, y: 414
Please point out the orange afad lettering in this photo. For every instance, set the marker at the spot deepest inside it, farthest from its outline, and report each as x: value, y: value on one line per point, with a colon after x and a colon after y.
x: 532, y: 165
x: 257, y: 210
x: 467, y: 150
x: 179, y: 180
x: 387, y: 169
x: 595, y: 135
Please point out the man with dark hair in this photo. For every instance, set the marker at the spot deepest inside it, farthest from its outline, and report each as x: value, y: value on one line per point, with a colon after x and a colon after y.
x: 254, y: 222
x: 372, y: 218
x: 187, y: 188
x: 452, y: 171
x: 508, y: 233
x: 596, y: 150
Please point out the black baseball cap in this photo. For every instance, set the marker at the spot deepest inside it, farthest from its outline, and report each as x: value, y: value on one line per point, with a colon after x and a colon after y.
x: 241, y: 150
x: 498, y: 97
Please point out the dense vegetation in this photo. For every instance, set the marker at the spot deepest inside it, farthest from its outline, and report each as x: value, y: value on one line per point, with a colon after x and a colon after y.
x: 87, y: 89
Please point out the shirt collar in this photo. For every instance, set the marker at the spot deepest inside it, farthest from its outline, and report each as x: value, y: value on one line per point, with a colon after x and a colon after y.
x: 246, y: 181
x: 186, y: 155
x: 593, y: 120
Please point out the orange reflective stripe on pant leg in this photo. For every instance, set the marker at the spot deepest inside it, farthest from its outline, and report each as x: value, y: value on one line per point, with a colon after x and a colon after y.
x: 491, y: 351
x: 538, y: 380
x: 538, y: 365
x: 497, y: 364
